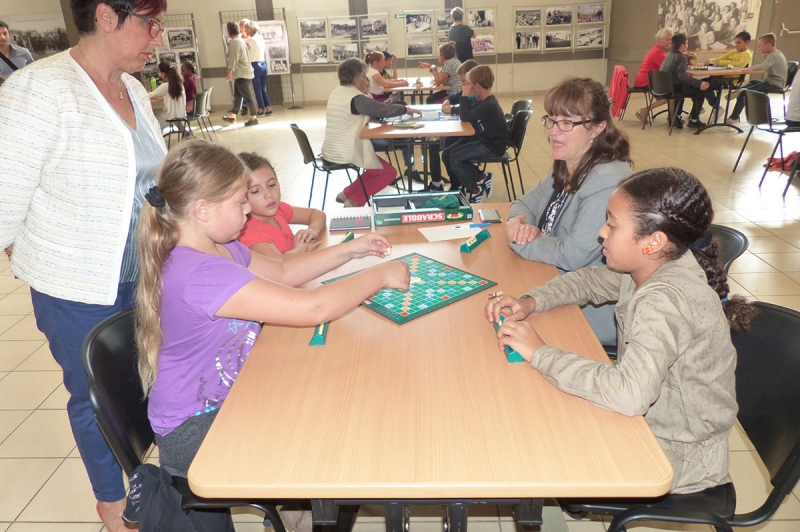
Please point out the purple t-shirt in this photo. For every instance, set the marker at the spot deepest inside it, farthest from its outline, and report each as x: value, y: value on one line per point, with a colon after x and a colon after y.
x: 201, y: 354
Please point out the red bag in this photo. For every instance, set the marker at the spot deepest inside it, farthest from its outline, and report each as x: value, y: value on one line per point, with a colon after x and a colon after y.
x: 782, y: 164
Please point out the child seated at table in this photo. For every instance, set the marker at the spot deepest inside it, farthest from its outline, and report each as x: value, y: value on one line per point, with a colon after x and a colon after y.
x: 740, y: 57
x: 449, y: 74
x: 267, y: 229
x: 202, y: 295
x: 380, y: 88
x: 676, y: 361
x: 481, y: 108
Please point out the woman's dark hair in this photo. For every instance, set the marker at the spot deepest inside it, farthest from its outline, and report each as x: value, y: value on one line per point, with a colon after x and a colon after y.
x: 349, y: 69
x: 674, y: 202
x: 588, y: 99
x: 83, y: 11
x: 233, y: 29
x: 678, y: 40
x: 174, y: 79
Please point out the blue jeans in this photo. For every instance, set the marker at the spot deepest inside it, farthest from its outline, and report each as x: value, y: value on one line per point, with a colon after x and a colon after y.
x: 758, y: 86
x: 66, y: 324
x: 457, y: 159
x: 260, y: 83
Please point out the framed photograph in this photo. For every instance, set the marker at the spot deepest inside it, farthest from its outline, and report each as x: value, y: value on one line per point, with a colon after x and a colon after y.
x: 169, y: 58
x: 558, y: 39
x: 277, y: 51
x: 440, y: 40
x: 443, y: 20
x: 272, y: 31
x: 419, y: 46
x: 343, y: 29
x: 152, y: 60
x: 483, y: 44
x: 589, y: 38
x: 280, y: 66
x: 419, y: 22
x: 150, y: 71
x: 178, y: 38
x: 527, y: 41
x: 313, y: 28
x: 591, y: 13
x: 314, y: 53
x: 481, y: 18
x: 344, y: 50
x: 526, y: 17
x: 558, y: 16
x: 374, y: 26
x: 188, y: 57
x: 373, y: 46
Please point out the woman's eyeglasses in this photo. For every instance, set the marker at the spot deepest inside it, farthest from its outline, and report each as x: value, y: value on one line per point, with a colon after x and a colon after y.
x: 564, y: 125
x: 153, y: 26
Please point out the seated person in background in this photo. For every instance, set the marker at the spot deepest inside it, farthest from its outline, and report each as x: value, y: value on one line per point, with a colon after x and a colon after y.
x: 379, y: 87
x: 267, y: 229
x: 557, y: 221
x: 740, y: 57
x: 390, y: 60
x: 652, y: 61
x: 777, y: 71
x: 685, y: 84
x: 793, y: 105
x: 481, y: 108
x: 676, y: 362
x: 172, y: 94
x: 451, y: 103
x: 449, y: 74
x: 189, y: 85
x: 349, y: 109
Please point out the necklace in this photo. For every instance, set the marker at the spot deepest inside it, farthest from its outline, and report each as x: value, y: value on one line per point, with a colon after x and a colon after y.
x: 86, y: 59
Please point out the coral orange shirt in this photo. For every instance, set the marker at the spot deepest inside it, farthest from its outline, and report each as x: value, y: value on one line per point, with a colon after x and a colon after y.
x: 256, y: 231
x: 652, y: 61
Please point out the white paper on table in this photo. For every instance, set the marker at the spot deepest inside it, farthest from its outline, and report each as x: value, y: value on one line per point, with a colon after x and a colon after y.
x: 448, y: 232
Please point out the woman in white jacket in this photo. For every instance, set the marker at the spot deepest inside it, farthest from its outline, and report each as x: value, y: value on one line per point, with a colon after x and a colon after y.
x: 171, y: 92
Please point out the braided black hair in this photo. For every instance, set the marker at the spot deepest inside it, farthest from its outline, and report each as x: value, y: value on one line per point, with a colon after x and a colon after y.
x: 674, y: 202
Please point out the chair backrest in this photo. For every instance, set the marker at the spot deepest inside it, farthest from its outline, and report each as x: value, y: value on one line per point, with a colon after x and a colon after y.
x: 791, y: 73
x: 520, y: 105
x: 115, y: 390
x: 305, y: 145
x: 208, y: 98
x: 767, y: 377
x: 199, y: 107
x: 661, y: 83
x: 757, y: 108
x: 731, y: 243
x: 518, y: 128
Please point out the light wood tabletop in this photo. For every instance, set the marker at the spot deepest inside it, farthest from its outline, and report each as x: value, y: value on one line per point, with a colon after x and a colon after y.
x: 411, y: 85
x: 706, y: 72
x: 430, y: 128
x: 428, y: 409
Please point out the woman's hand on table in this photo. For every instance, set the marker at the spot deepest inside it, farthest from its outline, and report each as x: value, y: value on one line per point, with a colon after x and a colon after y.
x: 369, y: 244
x: 518, y: 232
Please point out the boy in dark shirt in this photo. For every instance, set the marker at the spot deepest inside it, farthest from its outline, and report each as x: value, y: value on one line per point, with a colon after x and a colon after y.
x: 482, y: 110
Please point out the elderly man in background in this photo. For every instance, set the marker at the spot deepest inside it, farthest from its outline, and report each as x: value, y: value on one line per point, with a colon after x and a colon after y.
x: 14, y: 57
x: 652, y: 61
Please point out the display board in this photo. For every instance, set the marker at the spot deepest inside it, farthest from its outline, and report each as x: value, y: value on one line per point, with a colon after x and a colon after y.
x: 482, y: 22
x: 334, y: 39
x: 559, y: 28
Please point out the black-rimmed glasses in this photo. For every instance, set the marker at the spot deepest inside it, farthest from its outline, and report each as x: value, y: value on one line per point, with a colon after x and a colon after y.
x: 564, y: 125
x: 153, y: 26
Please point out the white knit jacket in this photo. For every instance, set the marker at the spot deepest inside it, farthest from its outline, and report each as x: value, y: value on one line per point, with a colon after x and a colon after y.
x: 342, y: 144
x: 67, y: 176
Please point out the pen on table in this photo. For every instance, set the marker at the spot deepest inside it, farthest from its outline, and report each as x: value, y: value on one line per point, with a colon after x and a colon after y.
x: 472, y: 226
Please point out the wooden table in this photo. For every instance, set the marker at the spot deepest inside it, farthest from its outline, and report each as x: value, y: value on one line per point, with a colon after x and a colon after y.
x: 705, y: 73
x: 415, y: 91
x: 429, y: 410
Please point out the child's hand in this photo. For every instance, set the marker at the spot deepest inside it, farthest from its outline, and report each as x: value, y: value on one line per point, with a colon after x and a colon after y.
x: 306, y: 235
x: 369, y: 244
x: 304, y: 247
x: 521, y: 337
x: 518, y: 232
x: 513, y: 309
x: 446, y: 107
x: 395, y: 275
x: 411, y: 111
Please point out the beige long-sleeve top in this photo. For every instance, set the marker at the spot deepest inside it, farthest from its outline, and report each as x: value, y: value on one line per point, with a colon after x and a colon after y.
x: 675, y: 362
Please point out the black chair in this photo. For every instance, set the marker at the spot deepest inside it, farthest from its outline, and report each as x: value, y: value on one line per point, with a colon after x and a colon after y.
x: 518, y: 105
x: 731, y: 244
x: 177, y: 126
x: 636, y: 90
x: 110, y: 359
x: 323, y: 166
x: 767, y: 373
x: 516, y: 136
x: 200, y: 113
x: 661, y: 88
x: 791, y: 72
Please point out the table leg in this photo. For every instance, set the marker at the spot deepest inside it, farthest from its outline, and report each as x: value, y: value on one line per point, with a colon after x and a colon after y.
x: 529, y: 512
x: 324, y: 511
x: 724, y: 120
x: 456, y: 517
x: 397, y: 517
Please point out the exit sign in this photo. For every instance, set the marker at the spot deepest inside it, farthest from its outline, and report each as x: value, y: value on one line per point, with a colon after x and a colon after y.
x: 399, y: 15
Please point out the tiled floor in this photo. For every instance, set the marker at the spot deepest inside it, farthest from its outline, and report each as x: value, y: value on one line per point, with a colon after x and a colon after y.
x: 43, y: 486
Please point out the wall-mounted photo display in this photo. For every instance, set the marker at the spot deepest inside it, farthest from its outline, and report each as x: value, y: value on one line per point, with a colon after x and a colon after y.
x: 419, y: 47
x: 528, y: 41
x: 441, y: 39
x: 178, y: 38
x: 277, y: 51
x: 150, y: 71
x: 313, y: 28
x: 483, y: 44
x: 558, y: 16
x: 373, y: 46
x: 279, y: 67
x: 443, y: 20
x: 420, y: 22
x: 560, y: 40
x: 481, y: 18
x: 343, y: 29
x: 272, y: 30
x: 344, y: 50
x: 374, y: 26
x: 152, y: 60
x: 168, y: 57
x: 188, y: 57
x: 589, y: 38
x: 527, y: 17
x: 591, y: 13
x: 314, y: 53
x: 277, y: 41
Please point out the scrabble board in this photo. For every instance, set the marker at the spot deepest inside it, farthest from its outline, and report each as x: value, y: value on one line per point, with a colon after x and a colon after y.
x: 433, y: 285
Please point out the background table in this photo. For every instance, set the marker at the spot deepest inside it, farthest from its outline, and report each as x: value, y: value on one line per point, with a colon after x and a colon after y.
x: 414, y: 91
x: 705, y: 73
x: 426, y: 410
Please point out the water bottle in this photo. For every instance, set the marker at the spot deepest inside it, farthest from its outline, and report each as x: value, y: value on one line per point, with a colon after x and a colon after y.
x: 152, y: 83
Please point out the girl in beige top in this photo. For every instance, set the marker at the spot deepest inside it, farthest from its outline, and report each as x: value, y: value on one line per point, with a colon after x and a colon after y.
x: 675, y: 362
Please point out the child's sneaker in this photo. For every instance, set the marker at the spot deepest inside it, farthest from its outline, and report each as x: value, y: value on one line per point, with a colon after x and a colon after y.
x: 485, y: 184
x: 476, y: 197
x: 436, y: 188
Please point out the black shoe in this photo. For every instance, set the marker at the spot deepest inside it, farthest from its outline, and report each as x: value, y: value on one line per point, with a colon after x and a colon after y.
x: 267, y: 112
x: 251, y: 122
x: 231, y: 119
x: 678, y: 123
x: 414, y: 175
x: 694, y: 124
x: 245, y: 112
x: 436, y: 188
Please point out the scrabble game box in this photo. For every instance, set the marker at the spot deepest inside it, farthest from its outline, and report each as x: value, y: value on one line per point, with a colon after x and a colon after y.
x: 400, y: 209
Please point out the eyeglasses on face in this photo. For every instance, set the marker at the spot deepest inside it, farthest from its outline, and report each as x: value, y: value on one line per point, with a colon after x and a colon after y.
x: 563, y: 125
x: 153, y: 26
